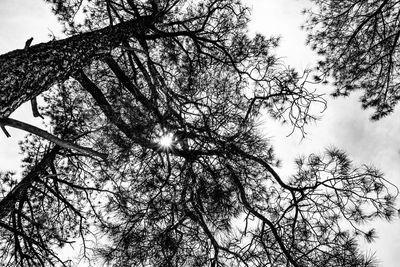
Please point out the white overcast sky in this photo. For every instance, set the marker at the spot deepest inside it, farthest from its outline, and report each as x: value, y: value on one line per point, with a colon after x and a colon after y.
x: 344, y: 123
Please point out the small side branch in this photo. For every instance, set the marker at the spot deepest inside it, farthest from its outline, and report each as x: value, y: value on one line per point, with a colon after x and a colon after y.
x: 5, y: 130
x: 35, y: 110
x: 34, y: 105
x: 39, y: 132
x: 252, y: 210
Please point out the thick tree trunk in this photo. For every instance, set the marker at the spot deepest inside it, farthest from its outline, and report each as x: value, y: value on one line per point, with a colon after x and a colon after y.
x: 25, y: 73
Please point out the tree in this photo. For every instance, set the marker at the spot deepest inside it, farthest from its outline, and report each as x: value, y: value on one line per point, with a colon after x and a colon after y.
x: 359, y: 42
x: 188, y: 73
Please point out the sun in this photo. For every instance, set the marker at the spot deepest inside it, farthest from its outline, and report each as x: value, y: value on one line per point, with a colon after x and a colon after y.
x: 166, y: 140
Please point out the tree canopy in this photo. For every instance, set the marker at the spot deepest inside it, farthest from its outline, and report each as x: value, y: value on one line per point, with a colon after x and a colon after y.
x: 358, y: 40
x: 154, y: 157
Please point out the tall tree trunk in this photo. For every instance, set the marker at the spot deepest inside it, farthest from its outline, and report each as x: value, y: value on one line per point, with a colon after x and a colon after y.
x: 25, y: 73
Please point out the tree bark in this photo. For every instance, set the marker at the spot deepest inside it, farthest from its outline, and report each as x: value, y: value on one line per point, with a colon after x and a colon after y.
x: 25, y: 73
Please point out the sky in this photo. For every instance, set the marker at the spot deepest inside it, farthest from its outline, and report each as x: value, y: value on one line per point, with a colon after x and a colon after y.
x: 344, y: 124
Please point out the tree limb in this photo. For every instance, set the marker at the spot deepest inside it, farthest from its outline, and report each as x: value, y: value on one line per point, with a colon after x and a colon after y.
x: 25, y: 73
x: 7, y: 204
x: 62, y: 143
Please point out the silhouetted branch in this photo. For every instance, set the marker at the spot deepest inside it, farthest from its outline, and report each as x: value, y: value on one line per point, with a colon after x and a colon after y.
x: 62, y: 143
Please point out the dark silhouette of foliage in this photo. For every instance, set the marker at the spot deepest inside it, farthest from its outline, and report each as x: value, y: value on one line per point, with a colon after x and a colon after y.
x: 359, y: 41
x: 210, y: 198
